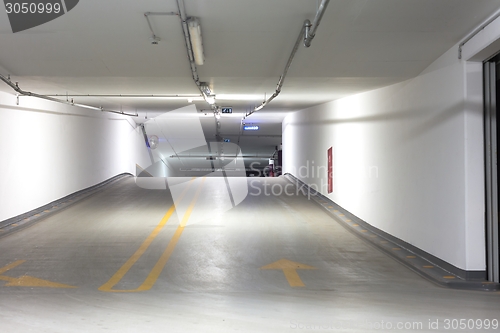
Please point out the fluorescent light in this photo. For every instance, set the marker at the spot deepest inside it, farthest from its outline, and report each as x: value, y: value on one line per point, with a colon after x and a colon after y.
x: 210, y: 99
x: 250, y: 128
x: 196, y: 41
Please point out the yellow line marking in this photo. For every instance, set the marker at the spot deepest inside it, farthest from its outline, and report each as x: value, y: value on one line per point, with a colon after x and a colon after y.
x: 14, y: 224
x: 144, y: 246
x: 290, y: 270
x: 384, y: 242
x: 410, y: 257
x: 355, y: 225
x: 396, y: 249
x: 428, y: 266
x: 158, y: 268
x: 364, y: 230
x: 348, y: 220
x: 448, y: 277
x: 373, y: 236
x: 335, y: 211
x: 11, y: 266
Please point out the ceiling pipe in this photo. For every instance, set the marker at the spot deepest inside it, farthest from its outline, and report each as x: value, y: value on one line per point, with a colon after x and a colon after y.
x: 155, y: 39
x: 129, y: 95
x: 161, y: 13
x: 307, y: 33
x: 283, y: 76
x: 52, y: 99
x: 219, y: 157
x: 311, y: 29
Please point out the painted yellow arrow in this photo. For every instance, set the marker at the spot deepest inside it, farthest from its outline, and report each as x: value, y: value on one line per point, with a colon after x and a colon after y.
x: 27, y: 281
x: 289, y: 268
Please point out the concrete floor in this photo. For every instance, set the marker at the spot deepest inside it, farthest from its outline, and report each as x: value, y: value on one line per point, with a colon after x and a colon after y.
x: 135, y: 269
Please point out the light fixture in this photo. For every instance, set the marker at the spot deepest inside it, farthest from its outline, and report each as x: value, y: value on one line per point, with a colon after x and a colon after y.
x: 207, y: 93
x: 251, y: 128
x: 196, y: 41
x: 205, y: 88
x: 155, y: 39
x: 210, y: 99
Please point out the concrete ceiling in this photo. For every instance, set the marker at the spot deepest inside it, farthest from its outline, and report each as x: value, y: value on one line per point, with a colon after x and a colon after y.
x: 104, y: 47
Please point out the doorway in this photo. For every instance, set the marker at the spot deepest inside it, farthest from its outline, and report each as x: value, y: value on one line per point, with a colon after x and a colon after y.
x: 492, y: 171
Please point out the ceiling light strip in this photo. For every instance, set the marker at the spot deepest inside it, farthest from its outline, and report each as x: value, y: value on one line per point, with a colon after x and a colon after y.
x: 196, y: 40
x: 187, y: 40
x: 191, y: 52
x: 52, y: 99
x: 203, y: 87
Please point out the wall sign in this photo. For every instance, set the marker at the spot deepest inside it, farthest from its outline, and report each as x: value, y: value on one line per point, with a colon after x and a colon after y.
x: 330, y: 169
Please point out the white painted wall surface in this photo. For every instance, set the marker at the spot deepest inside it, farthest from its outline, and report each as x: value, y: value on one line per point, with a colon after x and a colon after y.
x: 51, y: 150
x: 408, y: 158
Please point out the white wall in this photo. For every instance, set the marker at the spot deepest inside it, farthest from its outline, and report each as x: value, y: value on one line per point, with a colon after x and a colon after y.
x: 408, y: 158
x: 50, y: 150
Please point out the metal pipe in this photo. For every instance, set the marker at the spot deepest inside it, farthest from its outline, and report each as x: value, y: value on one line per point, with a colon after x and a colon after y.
x: 128, y: 96
x: 476, y: 31
x: 156, y: 39
x: 48, y: 98
x: 307, y: 33
x: 311, y: 30
x: 281, y: 81
x: 160, y: 13
x: 217, y: 156
x: 150, y: 26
